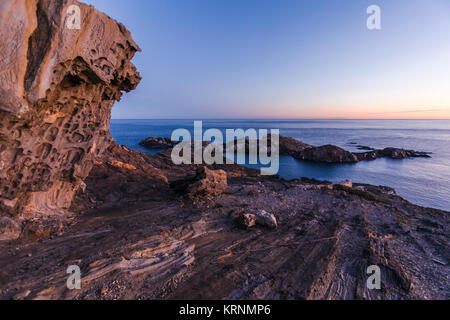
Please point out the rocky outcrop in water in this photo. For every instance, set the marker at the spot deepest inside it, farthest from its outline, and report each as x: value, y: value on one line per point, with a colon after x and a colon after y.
x: 302, y: 151
x: 57, y: 88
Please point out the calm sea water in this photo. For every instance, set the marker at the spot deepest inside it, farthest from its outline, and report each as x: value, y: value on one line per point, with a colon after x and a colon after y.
x: 422, y: 181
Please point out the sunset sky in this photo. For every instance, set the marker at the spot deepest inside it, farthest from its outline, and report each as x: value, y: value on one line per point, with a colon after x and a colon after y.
x: 286, y: 59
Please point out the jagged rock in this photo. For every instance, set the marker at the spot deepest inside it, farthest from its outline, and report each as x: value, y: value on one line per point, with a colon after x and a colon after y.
x: 327, y: 153
x: 266, y: 219
x: 393, y: 153
x: 144, y: 247
x: 117, y: 166
x: 206, y: 182
x: 9, y: 229
x: 334, y: 154
x: 57, y: 88
x: 157, y: 143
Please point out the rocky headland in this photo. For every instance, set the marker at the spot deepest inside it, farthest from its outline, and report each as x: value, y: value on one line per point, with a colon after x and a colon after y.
x: 140, y: 227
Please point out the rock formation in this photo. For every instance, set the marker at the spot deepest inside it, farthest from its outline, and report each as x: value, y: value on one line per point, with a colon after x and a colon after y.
x: 205, y: 182
x: 302, y: 151
x: 57, y: 88
x: 135, y: 237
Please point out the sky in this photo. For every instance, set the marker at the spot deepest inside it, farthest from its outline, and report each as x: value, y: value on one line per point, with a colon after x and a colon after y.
x: 286, y: 59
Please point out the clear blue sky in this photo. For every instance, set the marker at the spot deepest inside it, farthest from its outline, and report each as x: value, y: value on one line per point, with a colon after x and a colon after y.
x: 286, y: 58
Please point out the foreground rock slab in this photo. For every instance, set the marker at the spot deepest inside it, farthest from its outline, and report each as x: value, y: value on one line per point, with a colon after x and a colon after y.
x: 206, y: 182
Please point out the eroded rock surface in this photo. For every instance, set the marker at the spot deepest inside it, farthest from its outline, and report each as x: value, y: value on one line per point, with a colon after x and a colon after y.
x: 204, y: 183
x: 157, y: 143
x: 57, y: 88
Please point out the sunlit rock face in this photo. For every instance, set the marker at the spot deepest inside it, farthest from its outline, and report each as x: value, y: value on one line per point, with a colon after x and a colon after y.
x: 58, y: 84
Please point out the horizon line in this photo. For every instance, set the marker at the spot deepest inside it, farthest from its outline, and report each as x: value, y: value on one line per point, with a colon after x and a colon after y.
x: 292, y: 119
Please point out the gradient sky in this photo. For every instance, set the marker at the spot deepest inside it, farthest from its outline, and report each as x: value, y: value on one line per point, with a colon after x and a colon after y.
x: 286, y: 58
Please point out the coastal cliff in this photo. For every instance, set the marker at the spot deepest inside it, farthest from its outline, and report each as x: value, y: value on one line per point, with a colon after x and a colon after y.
x: 140, y: 227
x: 57, y: 88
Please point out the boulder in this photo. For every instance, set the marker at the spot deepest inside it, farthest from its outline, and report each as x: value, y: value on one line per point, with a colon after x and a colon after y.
x: 36, y: 229
x: 206, y: 182
x: 257, y: 217
x: 327, y: 153
x: 57, y: 88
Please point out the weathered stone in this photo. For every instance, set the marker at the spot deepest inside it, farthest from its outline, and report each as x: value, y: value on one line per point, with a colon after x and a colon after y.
x: 327, y: 153
x: 22, y: 295
x: 345, y: 183
x: 265, y: 219
x: 157, y: 143
x: 57, y: 88
x: 257, y: 217
x: 246, y: 220
x: 41, y: 228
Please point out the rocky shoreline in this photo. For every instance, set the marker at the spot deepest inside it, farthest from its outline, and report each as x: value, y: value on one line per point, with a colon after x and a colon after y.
x: 146, y: 229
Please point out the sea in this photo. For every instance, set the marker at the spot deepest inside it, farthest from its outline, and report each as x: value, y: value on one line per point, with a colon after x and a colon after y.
x: 422, y: 181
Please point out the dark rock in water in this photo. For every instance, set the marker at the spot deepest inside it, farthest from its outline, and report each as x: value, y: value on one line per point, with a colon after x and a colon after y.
x: 157, y: 143
x: 365, y: 148
x: 327, y: 153
x: 206, y: 182
x: 393, y: 153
